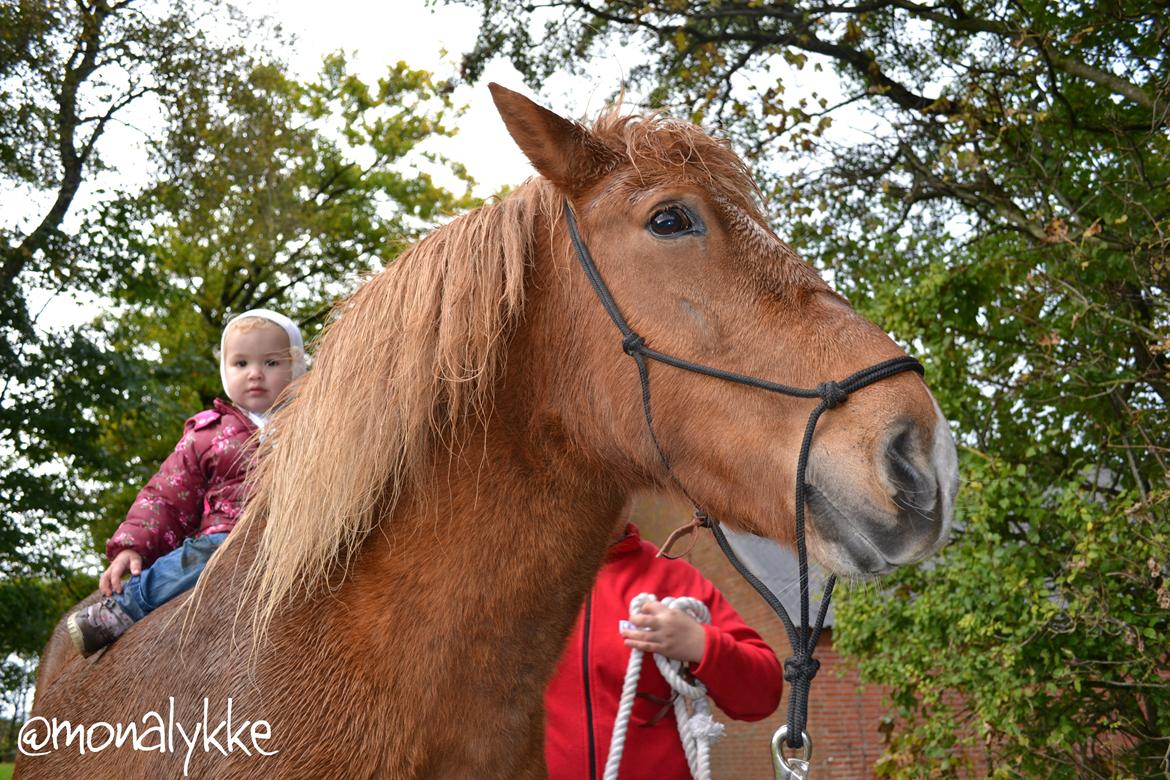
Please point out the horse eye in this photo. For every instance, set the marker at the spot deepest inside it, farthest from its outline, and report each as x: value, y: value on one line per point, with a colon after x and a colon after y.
x: 669, y: 221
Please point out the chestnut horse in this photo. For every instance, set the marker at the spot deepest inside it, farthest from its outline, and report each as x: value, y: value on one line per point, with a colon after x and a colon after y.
x: 434, y: 501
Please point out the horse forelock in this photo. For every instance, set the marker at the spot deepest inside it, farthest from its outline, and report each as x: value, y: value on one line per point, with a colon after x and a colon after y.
x: 662, y: 150
x: 405, y: 368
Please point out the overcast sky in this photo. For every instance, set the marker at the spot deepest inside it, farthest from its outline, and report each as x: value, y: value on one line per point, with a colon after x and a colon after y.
x: 373, y: 35
x: 378, y: 34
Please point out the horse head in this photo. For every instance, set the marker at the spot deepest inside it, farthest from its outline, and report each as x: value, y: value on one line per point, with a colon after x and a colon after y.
x: 673, y: 222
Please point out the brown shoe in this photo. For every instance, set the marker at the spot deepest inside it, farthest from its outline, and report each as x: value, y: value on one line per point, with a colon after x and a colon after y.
x: 97, y: 625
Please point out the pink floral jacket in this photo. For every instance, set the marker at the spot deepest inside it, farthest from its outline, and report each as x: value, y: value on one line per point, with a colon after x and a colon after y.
x: 199, y: 489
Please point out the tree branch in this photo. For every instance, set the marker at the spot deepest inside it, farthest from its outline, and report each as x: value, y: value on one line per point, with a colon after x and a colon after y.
x: 81, y: 65
x: 1039, y: 41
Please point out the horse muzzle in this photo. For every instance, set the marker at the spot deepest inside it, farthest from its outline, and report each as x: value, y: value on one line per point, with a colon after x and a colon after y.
x: 860, y: 534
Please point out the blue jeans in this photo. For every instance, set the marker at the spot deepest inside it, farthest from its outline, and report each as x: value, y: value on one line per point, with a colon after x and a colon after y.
x: 170, y: 575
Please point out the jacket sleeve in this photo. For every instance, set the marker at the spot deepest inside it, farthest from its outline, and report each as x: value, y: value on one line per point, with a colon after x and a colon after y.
x: 740, y: 670
x: 168, y: 509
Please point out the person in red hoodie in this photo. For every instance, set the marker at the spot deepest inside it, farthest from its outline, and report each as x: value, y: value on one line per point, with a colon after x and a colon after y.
x: 186, y: 510
x: 741, y: 673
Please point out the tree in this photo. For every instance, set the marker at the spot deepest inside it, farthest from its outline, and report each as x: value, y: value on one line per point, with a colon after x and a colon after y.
x: 69, y: 71
x: 257, y: 190
x: 1001, y: 201
x: 265, y: 191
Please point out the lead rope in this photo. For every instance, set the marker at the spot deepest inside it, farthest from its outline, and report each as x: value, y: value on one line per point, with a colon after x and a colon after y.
x: 697, y: 729
x: 802, y: 667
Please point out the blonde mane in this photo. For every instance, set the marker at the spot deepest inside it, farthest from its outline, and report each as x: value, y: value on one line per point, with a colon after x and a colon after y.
x: 409, y: 363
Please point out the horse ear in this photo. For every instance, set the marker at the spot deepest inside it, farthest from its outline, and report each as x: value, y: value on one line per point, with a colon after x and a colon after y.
x: 562, y: 151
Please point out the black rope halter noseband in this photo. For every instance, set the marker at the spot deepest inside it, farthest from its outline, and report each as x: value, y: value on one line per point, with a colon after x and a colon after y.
x: 800, y: 669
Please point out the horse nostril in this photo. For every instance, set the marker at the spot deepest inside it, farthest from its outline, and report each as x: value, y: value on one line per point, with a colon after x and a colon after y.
x: 913, y: 488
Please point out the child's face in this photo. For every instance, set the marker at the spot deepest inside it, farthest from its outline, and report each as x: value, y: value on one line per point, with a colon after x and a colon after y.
x: 257, y: 365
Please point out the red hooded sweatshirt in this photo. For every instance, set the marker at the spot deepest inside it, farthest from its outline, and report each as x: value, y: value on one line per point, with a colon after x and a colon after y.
x: 741, y: 672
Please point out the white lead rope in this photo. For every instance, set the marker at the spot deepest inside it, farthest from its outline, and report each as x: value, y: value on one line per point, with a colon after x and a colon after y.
x: 696, y: 728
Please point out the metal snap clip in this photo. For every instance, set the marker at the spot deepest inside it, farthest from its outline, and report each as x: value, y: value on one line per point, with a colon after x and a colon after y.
x: 790, y: 768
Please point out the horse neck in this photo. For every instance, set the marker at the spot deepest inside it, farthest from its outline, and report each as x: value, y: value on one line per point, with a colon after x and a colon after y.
x: 490, y: 560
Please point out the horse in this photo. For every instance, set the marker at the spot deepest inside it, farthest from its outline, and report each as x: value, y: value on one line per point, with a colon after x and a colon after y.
x: 432, y: 503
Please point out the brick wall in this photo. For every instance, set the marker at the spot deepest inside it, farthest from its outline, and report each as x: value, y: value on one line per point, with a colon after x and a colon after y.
x: 843, y: 715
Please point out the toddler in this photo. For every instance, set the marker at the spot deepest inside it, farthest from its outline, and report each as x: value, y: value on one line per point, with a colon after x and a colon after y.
x: 186, y: 510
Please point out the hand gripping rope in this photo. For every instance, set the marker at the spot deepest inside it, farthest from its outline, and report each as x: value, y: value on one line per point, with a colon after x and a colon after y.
x: 697, y: 729
x: 800, y: 669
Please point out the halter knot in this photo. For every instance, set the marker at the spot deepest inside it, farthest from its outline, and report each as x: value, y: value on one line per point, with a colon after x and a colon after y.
x: 801, y: 668
x: 633, y: 343
x: 832, y: 394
